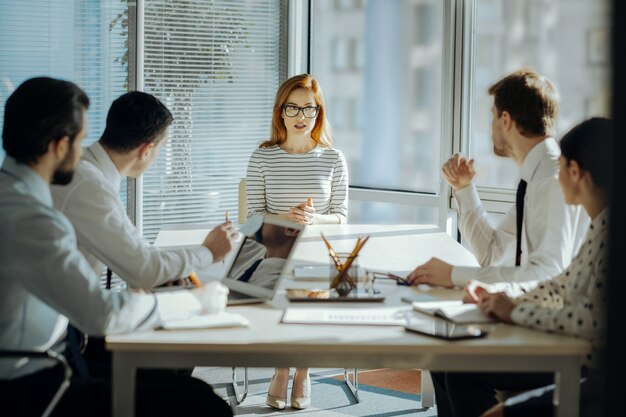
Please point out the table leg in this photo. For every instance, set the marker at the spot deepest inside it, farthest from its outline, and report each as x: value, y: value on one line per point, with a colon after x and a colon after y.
x: 124, y: 377
x: 567, y: 391
x: 428, y: 390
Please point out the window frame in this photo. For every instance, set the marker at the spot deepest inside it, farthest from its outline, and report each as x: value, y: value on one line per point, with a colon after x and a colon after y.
x: 458, y: 44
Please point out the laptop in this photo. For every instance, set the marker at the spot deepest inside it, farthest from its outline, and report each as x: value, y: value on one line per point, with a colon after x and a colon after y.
x: 264, y: 256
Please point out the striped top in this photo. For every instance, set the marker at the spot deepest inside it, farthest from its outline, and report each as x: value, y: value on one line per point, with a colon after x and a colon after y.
x: 277, y: 180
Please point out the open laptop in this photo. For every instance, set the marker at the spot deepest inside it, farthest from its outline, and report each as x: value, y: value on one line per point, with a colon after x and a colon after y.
x: 263, y: 258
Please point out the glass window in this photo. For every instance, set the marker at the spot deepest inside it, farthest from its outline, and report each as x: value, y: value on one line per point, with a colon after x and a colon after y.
x: 565, y: 41
x: 395, y: 85
x: 217, y: 66
x: 69, y: 39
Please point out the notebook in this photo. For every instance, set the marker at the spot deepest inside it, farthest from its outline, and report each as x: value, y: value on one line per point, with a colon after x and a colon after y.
x: 207, y: 321
x: 454, y: 311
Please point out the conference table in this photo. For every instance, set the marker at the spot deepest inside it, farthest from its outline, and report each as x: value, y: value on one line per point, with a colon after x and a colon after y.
x: 267, y: 342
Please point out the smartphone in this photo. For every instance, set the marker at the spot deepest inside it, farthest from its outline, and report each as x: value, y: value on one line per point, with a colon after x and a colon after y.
x: 445, y: 329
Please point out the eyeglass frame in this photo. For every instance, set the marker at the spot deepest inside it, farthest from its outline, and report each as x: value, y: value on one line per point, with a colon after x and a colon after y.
x: 388, y: 275
x: 301, y: 109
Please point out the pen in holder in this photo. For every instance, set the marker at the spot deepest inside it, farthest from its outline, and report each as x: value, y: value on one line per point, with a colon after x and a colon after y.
x: 344, y: 278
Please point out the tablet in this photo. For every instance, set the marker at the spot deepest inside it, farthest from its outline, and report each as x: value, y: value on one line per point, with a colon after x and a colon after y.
x: 327, y: 295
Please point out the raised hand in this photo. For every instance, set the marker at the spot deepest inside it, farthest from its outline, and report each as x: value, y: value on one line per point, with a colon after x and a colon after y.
x: 458, y: 171
x: 220, y: 240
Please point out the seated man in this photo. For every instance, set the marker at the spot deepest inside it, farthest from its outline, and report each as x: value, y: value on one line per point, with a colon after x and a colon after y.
x: 46, y: 282
x: 539, y: 236
x: 136, y: 129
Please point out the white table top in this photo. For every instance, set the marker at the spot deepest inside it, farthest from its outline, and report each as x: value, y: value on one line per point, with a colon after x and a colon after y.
x: 396, y: 248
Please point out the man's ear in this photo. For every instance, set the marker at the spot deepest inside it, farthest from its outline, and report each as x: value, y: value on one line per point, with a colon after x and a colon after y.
x: 143, y: 152
x: 575, y: 173
x: 507, y: 121
x: 60, y: 147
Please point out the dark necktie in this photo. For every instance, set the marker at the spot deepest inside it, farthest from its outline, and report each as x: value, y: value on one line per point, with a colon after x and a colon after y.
x: 248, y: 274
x: 519, y: 211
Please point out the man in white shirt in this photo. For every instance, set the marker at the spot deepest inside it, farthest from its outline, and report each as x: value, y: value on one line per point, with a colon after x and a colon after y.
x: 136, y: 129
x: 524, y: 112
x: 46, y: 281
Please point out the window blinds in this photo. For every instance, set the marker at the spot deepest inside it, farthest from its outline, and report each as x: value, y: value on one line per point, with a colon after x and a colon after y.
x: 216, y: 65
x: 69, y: 39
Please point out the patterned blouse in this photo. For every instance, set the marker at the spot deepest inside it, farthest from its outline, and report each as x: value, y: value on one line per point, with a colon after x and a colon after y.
x: 573, y: 302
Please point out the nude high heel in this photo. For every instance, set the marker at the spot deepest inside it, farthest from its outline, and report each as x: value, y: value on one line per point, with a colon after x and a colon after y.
x: 300, y: 403
x: 278, y: 403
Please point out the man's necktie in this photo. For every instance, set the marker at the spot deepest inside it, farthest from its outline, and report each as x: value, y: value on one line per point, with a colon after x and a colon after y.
x: 248, y: 274
x: 519, y: 209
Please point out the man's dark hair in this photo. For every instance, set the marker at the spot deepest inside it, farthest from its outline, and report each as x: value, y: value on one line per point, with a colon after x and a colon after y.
x: 531, y: 100
x: 135, y: 118
x: 588, y: 143
x: 39, y: 111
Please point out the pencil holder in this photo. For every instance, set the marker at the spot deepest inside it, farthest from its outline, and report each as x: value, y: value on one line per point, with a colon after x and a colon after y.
x: 341, y: 279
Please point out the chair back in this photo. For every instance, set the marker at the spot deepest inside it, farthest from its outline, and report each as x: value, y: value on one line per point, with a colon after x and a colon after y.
x: 242, y: 202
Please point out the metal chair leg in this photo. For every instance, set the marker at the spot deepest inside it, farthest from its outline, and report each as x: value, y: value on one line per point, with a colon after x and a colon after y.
x: 240, y: 397
x: 352, y: 386
x: 48, y: 354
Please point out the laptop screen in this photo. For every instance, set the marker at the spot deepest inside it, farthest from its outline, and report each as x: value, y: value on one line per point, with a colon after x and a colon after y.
x: 263, y: 258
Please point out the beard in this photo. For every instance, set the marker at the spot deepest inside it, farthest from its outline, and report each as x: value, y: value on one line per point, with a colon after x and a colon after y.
x: 65, y: 172
x: 62, y: 177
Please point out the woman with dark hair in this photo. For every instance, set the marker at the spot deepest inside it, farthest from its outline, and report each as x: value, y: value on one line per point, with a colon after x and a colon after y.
x: 570, y: 303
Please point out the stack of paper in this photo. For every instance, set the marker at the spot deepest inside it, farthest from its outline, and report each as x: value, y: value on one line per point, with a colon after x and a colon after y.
x: 208, y: 321
x: 385, y: 316
x: 454, y: 311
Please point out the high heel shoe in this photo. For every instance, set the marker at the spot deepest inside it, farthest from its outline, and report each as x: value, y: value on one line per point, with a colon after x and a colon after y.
x: 278, y: 403
x: 300, y: 403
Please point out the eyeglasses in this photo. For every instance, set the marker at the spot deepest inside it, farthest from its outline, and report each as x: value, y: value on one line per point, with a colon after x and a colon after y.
x: 292, y: 111
x: 388, y: 275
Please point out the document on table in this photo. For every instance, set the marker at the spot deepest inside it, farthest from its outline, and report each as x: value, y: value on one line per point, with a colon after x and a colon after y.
x: 454, y: 311
x: 208, y: 321
x: 384, y: 316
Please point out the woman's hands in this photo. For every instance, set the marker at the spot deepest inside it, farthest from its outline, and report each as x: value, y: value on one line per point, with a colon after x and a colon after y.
x: 303, y: 213
x: 494, y: 304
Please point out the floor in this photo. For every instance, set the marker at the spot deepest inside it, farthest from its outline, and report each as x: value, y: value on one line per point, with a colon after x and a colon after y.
x: 382, y: 392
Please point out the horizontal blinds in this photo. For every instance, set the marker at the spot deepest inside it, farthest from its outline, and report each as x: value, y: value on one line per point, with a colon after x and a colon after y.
x: 83, y: 41
x: 216, y: 65
x: 69, y: 39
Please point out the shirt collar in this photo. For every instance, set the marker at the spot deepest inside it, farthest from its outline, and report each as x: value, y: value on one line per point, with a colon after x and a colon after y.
x: 36, y: 185
x: 547, y: 146
x: 99, y: 157
x: 599, y: 224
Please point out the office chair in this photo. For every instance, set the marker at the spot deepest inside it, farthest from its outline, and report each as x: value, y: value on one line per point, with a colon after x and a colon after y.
x: 48, y: 354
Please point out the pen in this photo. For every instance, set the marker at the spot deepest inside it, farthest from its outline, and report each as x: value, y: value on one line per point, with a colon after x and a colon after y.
x: 227, y: 215
x: 194, y: 279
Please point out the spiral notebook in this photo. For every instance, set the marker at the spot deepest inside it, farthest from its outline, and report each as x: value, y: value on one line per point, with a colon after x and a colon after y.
x: 383, y: 316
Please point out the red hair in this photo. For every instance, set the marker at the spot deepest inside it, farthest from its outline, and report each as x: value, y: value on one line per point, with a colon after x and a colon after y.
x: 320, y: 133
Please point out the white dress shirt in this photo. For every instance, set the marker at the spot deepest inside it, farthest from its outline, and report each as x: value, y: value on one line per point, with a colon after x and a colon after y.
x: 45, y: 280
x: 106, y: 235
x: 573, y: 302
x: 551, y: 232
